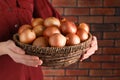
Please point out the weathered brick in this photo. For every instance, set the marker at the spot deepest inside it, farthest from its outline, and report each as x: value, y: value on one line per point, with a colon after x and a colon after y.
x: 76, y: 11
x: 88, y: 3
x: 111, y: 78
x: 111, y: 35
x: 65, y: 78
x: 102, y: 27
x: 89, y: 78
x: 102, y: 11
x: 106, y: 43
x: 100, y: 72
x: 102, y: 58
x: 112, y: 3
x: 76, y: 72
x: 87, y: 65
x: 112, y: 19
x: 91, y: 19
x: 112, y: 65
x: 111, y: 51
x: 64, y: 3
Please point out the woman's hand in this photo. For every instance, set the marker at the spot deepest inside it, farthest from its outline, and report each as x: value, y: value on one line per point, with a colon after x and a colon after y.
x: 91, y: 50
x: 18, y: 55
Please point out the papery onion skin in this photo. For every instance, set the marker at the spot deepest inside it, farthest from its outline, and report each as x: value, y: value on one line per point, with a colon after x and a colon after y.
x: 24, y: 27
x: 37, y: 21
x: 38, y: 29
x: 52, y: 21
x: 68, y: 27
x: 57, y: 40
x: 41, y: 42
x: 27, y: 36
x: 50, y: 30
x: 84, y: 26
x: 83, y: 35
x: 72, y: 39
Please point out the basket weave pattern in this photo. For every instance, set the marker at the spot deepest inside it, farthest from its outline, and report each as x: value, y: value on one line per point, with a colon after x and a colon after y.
x: 54, y: 56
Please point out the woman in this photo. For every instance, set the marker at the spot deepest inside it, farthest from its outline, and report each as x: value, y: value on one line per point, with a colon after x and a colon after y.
x: 14, y: 63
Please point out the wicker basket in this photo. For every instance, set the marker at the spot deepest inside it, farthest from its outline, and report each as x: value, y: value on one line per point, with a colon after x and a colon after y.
x: 53, y: 56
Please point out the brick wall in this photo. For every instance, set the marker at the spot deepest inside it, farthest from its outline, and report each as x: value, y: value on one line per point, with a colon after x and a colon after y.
x: 104, y: 19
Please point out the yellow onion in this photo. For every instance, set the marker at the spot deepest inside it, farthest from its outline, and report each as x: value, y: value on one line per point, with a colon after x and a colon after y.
x: 72, y: 39
x: 52, y: 21
x: 57, y: 40
x: 40, y: 42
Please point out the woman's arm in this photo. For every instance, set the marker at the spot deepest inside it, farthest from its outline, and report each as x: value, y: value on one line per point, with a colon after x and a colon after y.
x: 17, y: 54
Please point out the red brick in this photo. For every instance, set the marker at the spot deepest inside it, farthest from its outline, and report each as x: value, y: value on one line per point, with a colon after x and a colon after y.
x: 89, y: 78
x: 64, y: 3
x: 97, y: 34
x: 117, y: 58
x: 106, y: 43
x: 116, y: 72
x: 112, y: 19
x: 112, y: 3
x: 71, y: 18
x: 100, y: 72
x: 91, y: 65
x: 102, y: 58
x: 111, y: 35
x: 117, y: 43
x: 91, y: 19
x: 111, y: 78
x: 76, y: 72
x: 102, y: 11
x: 51, y: 72
x: 113, y: 65
x: 65, y: 78
x: 102, y: 27
x: 48, y: 78
x: 76, y: 11
x: 88, y: 3
x: 111, y: 51
x: 118, y: 27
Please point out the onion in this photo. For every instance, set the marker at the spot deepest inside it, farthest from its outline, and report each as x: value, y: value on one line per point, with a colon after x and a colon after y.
x: 51, y: 21
x: 84, y: 26
x: 72, y: 39
x: 82, y: 34
x: 37, y: 21
x: 27, y: 36
x: 50, y: 30
x: 38, y: 29
x: 40, y: 42
x: 24, y: 27
x: 68, y: 27
x: 57, y: 40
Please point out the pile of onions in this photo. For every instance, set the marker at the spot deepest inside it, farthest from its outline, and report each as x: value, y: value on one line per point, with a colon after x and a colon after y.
x: 59, y: 33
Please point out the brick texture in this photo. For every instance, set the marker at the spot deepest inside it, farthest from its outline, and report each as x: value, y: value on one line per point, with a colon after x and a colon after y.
x: 103, y: 17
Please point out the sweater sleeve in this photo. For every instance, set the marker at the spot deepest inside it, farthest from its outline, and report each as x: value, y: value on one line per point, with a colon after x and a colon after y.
x: 43, y: 9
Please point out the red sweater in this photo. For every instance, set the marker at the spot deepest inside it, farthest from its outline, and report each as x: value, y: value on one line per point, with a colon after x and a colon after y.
x: 14, y: 13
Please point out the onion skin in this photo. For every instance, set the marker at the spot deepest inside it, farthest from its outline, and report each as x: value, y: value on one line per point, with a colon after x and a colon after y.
x: 57, y: 40
x: 37, y: 21
x: 40, y: 42
x: 84, y: 26
x: 72, y: 39
x: 24, y: 27
x: 27, y: 36
x: 50, y: 31
x: 68, y: 27
x: 52, y: 21
x: 83, y: 35
x: 38, y: 29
